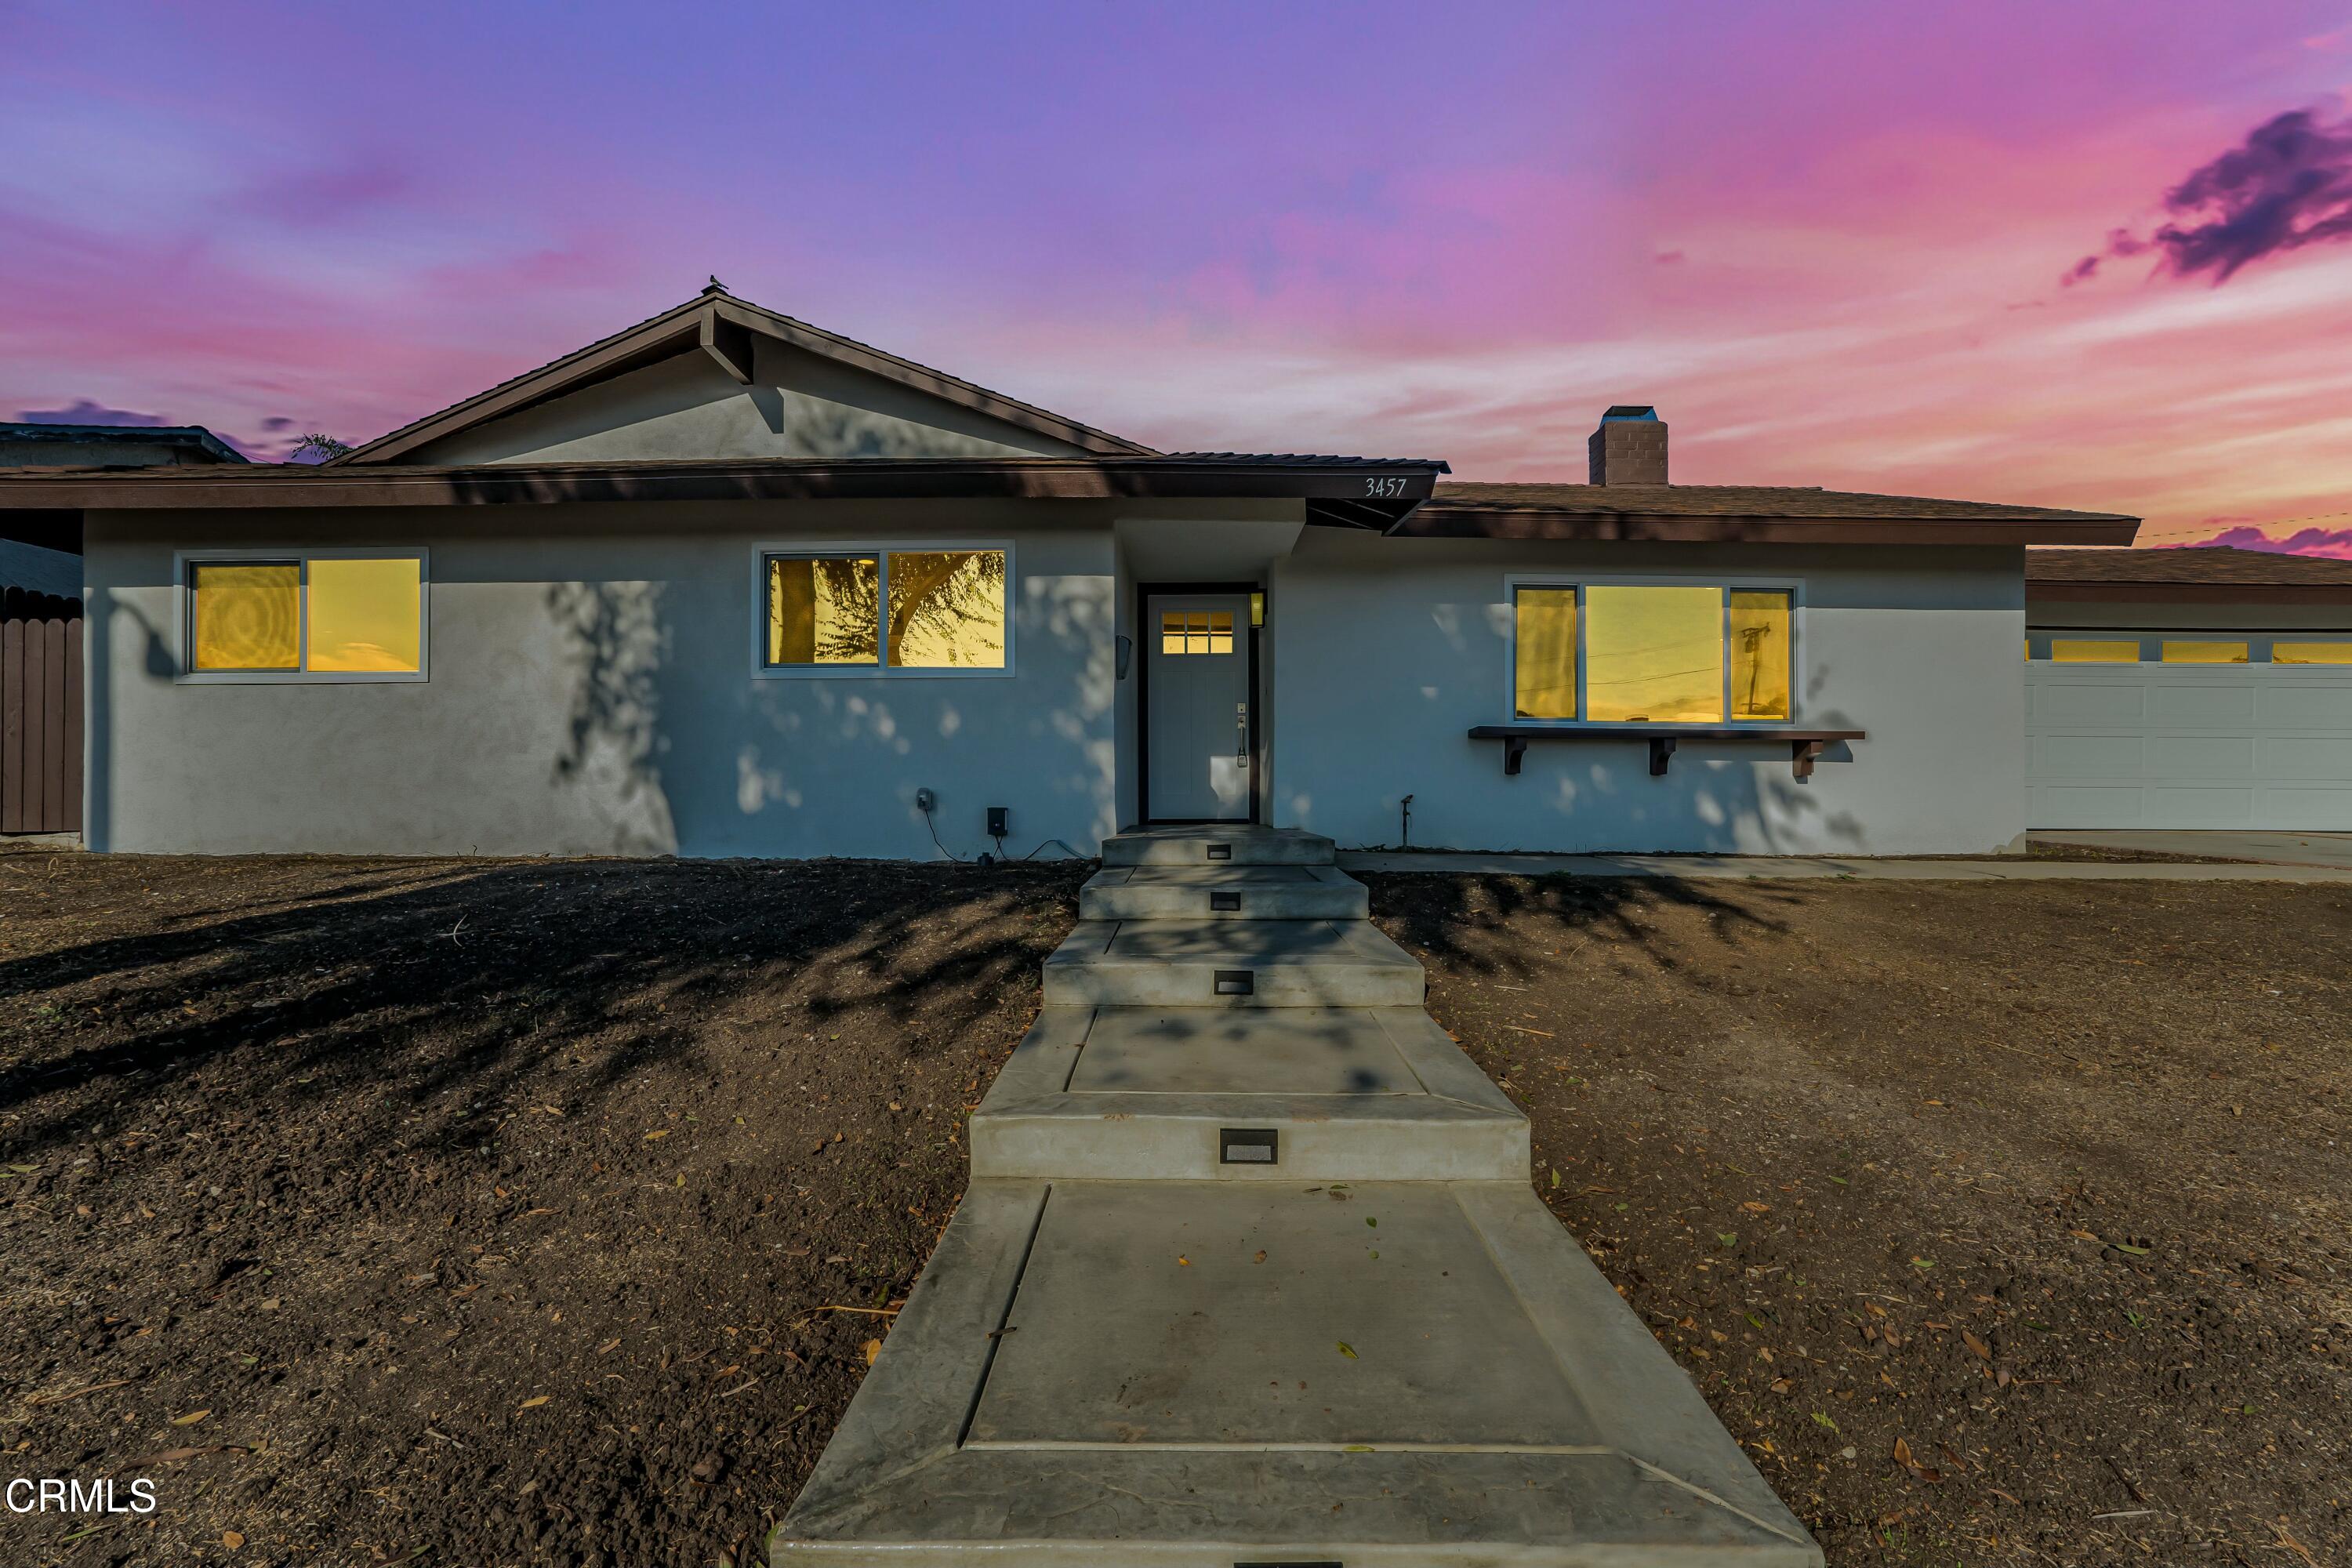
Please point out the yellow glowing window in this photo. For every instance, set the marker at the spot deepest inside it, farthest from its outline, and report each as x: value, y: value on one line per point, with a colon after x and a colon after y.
x: 1196, y: 631
x: 365, y: 616
x: 824, y: 609
x: 1544, y: 653
x: 248, y: 615
x: 2311, y: 653
x: 1760, y: 654
x: 322, y: 614
x: 2204, y: 652
x: 1654, y: 655
x: 2088, y: 650
x: 947, y: 609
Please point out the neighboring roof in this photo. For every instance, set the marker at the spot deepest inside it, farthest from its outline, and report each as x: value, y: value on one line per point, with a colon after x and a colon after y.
x: 2187, y: 573
x: 718, y: 323
x: 1779, y: 515
x: 1362, y: 492
x: 191, y: 437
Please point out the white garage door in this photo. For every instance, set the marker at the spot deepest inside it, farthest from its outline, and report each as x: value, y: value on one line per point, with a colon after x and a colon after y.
x: 2157, y: 744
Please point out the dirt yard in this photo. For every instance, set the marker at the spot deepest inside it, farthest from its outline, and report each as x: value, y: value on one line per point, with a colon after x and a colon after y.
x: 2002, y: 1223
x: 487, y: 1212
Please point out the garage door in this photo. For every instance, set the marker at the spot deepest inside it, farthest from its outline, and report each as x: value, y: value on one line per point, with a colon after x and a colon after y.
x: 2154, y: 744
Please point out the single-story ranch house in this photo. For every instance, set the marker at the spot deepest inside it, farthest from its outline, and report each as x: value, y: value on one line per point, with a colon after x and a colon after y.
x: 726, y: 583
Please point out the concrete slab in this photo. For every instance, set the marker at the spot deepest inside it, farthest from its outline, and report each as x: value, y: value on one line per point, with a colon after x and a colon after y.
x: 1242, y: 963
x: 1222, y: 892
x: 1216, y: 844
x: 1772, y: 868
x: 1346, y: 1094
x: 1196, y: 1374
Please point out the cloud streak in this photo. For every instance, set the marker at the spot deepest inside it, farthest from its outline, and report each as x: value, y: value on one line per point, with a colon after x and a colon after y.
x: 2336, y: 542
x: 2288, y: 185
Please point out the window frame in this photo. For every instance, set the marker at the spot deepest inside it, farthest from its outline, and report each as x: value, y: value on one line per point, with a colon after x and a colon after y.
x: 881, y: 550
x: 184, y: 574
x: 1724, y: 586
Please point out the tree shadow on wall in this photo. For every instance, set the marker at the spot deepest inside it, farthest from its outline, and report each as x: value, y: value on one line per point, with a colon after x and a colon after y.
x: 614, y: 742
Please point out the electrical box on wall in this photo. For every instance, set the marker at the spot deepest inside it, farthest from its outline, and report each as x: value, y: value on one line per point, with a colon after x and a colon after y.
x: 1000, y: 820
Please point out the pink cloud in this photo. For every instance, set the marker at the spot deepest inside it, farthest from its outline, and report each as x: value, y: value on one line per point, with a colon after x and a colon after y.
x: 2334, y: 542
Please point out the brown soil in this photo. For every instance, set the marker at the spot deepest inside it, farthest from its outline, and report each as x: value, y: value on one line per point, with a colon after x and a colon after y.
x: 356, y: 1163
x: 2003, y: 1222
x: 473, y: 1213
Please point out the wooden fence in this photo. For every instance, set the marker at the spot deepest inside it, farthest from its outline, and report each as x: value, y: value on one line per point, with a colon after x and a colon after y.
x: 41, y: 714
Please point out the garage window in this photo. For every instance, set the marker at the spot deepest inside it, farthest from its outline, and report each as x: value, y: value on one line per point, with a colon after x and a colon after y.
x: 2089, y: 650
x: 2204, y: 652
x: 316, y: 616
x: 849, y: 610
x: 1653, y: 653
x: 2311, y: 653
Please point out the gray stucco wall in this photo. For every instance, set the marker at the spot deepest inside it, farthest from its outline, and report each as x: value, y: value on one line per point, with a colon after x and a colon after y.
x: 591, y: 693
x: 799, y: 405
x: 1391, y: 648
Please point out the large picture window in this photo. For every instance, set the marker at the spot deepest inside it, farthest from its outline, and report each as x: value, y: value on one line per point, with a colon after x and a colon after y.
x: 850, y: 610
x: 339, y: 616
x: 1640, y: 653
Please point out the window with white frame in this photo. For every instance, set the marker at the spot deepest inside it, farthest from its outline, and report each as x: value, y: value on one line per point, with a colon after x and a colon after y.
x: 1645, y: 653
x: 849, y: 610
x: 315, y: 614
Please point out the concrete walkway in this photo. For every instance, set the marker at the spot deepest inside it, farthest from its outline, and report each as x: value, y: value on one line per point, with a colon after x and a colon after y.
x: 2222, y: 844
x: 1251, y: 1271
x: 1801, y: 868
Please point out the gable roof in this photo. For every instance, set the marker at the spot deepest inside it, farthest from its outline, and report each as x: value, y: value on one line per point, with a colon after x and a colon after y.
x: 719, y: 324
x: 2187, y: 573
x: 1778, y: 514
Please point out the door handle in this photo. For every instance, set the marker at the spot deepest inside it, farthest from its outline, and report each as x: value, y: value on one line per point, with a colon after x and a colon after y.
x: 1240, y: 733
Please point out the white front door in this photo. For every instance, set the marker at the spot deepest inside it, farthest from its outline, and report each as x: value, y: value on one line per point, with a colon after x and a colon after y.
x: 1197, y: 701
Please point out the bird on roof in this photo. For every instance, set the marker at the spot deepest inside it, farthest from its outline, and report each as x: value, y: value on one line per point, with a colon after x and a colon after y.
x: 714, y: 286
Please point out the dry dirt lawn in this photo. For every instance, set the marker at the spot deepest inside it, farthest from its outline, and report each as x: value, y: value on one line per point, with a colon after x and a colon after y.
x: 474, y: 1213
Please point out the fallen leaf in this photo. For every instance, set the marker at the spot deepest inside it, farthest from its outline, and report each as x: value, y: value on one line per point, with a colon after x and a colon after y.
x: 608, y: 1347
x: 1903, y: 1457
x: 1346, y: 1350
x: 1824, y: 1421
x: 232, y: 1540
x: 1757, y: 1208
x: 190, y: 1419
x: 1977, y: 1344
x: 1183, y: 1262
x: 873, y: 1349
x: 657, y: 1132
x: 1261, y: 1255
x: 534, y: 1401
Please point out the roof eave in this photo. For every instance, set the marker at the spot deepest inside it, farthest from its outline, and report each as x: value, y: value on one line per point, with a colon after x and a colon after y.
x: 1403, y: 483
x: 1444, y: 520
x: 2046, y: 593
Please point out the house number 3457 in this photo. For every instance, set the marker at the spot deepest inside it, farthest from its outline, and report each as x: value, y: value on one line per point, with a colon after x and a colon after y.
x: 1389, y: 485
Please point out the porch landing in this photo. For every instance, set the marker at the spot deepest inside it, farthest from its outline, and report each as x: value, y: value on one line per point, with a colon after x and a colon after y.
x: 1246, y: 1284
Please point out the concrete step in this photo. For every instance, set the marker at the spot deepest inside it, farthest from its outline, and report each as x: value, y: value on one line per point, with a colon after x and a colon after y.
x: 1221, y: 1094
x: 1237, y: 963
x: 1222, y: 892
x: 1216, y: 844
x: 1183, y: 1375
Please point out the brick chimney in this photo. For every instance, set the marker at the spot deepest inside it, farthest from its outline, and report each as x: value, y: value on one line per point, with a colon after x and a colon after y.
x: 1629, y: 447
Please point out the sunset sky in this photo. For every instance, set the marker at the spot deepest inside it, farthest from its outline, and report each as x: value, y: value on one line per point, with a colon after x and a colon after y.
x: 1832, y: 242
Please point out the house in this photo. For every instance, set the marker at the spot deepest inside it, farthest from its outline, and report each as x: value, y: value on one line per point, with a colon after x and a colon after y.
x: 47, y: 559
x: 2187, y: 688
x: 727, y: 583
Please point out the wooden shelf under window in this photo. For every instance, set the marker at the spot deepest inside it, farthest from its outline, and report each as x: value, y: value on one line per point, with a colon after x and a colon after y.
x: 1804, y: 745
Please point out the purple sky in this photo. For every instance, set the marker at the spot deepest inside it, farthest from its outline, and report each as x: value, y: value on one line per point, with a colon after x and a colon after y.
x: 1828, y: 240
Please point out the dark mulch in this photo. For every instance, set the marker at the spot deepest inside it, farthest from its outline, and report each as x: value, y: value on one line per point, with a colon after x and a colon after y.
x: 347, y: 1165
x: 2003, y: 1222
x: 473, y: 1213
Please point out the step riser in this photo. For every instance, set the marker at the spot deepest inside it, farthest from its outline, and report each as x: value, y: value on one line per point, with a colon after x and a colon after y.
x: 1197, y: 852
x: 1138, y: 984
x: 1190, y: 1148
x: 1307, y: 901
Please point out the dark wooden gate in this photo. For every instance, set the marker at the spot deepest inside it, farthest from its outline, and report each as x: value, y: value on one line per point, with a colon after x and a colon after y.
x: 41, y: 714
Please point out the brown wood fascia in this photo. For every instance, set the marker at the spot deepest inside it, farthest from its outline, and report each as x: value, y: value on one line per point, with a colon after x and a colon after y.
x: 1440, y: 522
